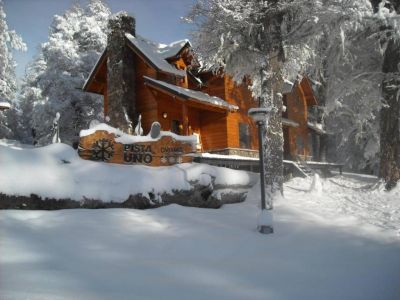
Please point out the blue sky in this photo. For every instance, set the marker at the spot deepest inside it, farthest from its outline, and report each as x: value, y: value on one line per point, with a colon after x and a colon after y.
x: 158, y: 20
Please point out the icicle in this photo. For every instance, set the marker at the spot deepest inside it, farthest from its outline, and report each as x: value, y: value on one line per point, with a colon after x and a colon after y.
x: 128, y: 120
x: 138, y: 128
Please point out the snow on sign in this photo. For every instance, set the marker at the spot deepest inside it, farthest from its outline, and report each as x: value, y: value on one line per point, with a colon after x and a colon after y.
x: 166, y: 150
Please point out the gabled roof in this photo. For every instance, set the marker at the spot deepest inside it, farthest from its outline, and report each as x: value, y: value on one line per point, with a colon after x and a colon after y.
x: 96, y: 67
x: 156, y: 54
x: 173, y: 49
x: 308, y: 91
x: 287, y: 87
x: 190, y: 95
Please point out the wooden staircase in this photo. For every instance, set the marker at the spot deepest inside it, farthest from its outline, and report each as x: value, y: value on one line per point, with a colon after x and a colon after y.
x: 303, y: 167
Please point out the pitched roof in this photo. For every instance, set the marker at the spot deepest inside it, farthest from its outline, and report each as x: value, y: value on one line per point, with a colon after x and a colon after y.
x: 308, y: 91
x: 192, y: 95
x: 156, y: 54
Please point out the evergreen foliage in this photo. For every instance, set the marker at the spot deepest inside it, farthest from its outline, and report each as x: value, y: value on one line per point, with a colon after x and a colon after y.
x: 54, y: 80
x: 9, y: 40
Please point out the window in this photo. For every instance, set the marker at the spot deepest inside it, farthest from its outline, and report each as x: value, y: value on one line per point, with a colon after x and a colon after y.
x: 300, y: 145
x: 176, y: 127
x: 244, y: 136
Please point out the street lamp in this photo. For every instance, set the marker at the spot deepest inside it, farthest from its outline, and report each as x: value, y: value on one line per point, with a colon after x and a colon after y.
x: 260, y: 115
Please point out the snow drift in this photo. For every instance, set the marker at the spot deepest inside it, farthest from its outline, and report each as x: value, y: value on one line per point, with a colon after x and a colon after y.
x: 57, y: 172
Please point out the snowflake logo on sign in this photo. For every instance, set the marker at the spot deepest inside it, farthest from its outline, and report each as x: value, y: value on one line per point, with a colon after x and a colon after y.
x: 102, y: 150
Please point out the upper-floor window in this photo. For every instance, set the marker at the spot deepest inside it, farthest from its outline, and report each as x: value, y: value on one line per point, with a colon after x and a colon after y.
x: 244, y: 136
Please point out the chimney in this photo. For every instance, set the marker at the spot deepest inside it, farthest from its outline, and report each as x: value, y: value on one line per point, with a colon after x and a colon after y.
x: 121, y: 73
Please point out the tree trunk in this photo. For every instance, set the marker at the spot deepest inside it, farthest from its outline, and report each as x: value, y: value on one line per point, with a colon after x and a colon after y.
x: 273, y: 143
x: 390, y: 116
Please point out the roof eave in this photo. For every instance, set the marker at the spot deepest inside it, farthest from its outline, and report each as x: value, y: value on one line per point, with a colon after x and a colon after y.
x: 94, y: 70
x: 135, y: 49
x: 186, y: 97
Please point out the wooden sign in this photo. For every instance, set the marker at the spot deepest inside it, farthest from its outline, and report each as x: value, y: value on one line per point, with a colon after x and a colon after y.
x: 164, y: 151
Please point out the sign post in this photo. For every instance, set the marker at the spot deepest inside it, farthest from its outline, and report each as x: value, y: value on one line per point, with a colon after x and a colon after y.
x: 265, y: 226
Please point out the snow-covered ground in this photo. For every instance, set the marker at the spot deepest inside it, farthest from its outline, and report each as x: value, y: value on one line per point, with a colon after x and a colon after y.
x: 340, y: 240
x: 56, y: 171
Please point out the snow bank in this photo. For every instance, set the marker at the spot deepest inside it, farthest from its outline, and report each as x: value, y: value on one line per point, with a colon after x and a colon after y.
x: 56, y: 171
x: 316, y: 251
x: 125, y: 138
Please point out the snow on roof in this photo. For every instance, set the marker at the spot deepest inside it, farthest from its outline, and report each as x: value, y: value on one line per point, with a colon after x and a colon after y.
x: 287, y: 86
x: 226, y: 157
x: 317, y: 127
x: 124, y: 138
x: 157, y: 53
x: 94, y: 69
x: 191, y: 94
x: 289, y: 122
x: 168, y: 51
x: 5, y: 105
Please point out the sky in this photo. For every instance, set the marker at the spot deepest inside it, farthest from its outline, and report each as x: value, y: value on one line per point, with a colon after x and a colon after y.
x: 158, y: 20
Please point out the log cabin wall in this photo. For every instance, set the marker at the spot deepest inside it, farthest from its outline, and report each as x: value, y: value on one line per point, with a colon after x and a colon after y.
x: 214, y: 134
x: 297, y: 111
x: 241, y: 96
x: 215, y: 87
x: 146, y: 101
x: 213, y: 131
x: 174, y: 112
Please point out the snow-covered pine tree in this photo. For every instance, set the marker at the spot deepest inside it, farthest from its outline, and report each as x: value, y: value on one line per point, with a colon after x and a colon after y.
x: 361, y: 69
x: 76, y: 40
x: 9, y: 40
x: 245, y: 39
x: 253, y: 38
x: 389, y: 13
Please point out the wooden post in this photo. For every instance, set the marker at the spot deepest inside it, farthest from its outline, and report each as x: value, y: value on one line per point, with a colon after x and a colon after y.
x: 185, y: 119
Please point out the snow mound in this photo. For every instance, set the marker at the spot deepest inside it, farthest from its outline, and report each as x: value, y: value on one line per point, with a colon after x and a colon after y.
x: 125, y: 138
x: 56, y: 171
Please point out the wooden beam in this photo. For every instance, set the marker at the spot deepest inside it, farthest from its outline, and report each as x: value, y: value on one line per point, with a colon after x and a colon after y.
x: 105, y: 101
x: 185, y: 119
x: 192, y: 102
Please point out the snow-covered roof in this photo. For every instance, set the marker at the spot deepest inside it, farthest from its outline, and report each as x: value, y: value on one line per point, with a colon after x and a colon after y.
x: 317, y: 127
x: 287, y: 86
x: 94, y: 69
x: 289, y: 122
x: 158, y: 53
x: 191, y: 94
x: 168, y: 51
x: 5, y: 105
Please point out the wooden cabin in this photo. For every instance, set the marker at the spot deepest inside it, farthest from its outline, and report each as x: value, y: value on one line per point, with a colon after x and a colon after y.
x: 140, y: 77
x: 302, y: 139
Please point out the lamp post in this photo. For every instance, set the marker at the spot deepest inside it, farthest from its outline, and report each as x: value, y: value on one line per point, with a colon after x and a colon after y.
x: 260, y: 115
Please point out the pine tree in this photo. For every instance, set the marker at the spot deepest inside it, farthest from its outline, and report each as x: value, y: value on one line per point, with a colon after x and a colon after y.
x: 9, y: 40
x: 262, y: 39
x: 76, y: 40
x: 390, y: 112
